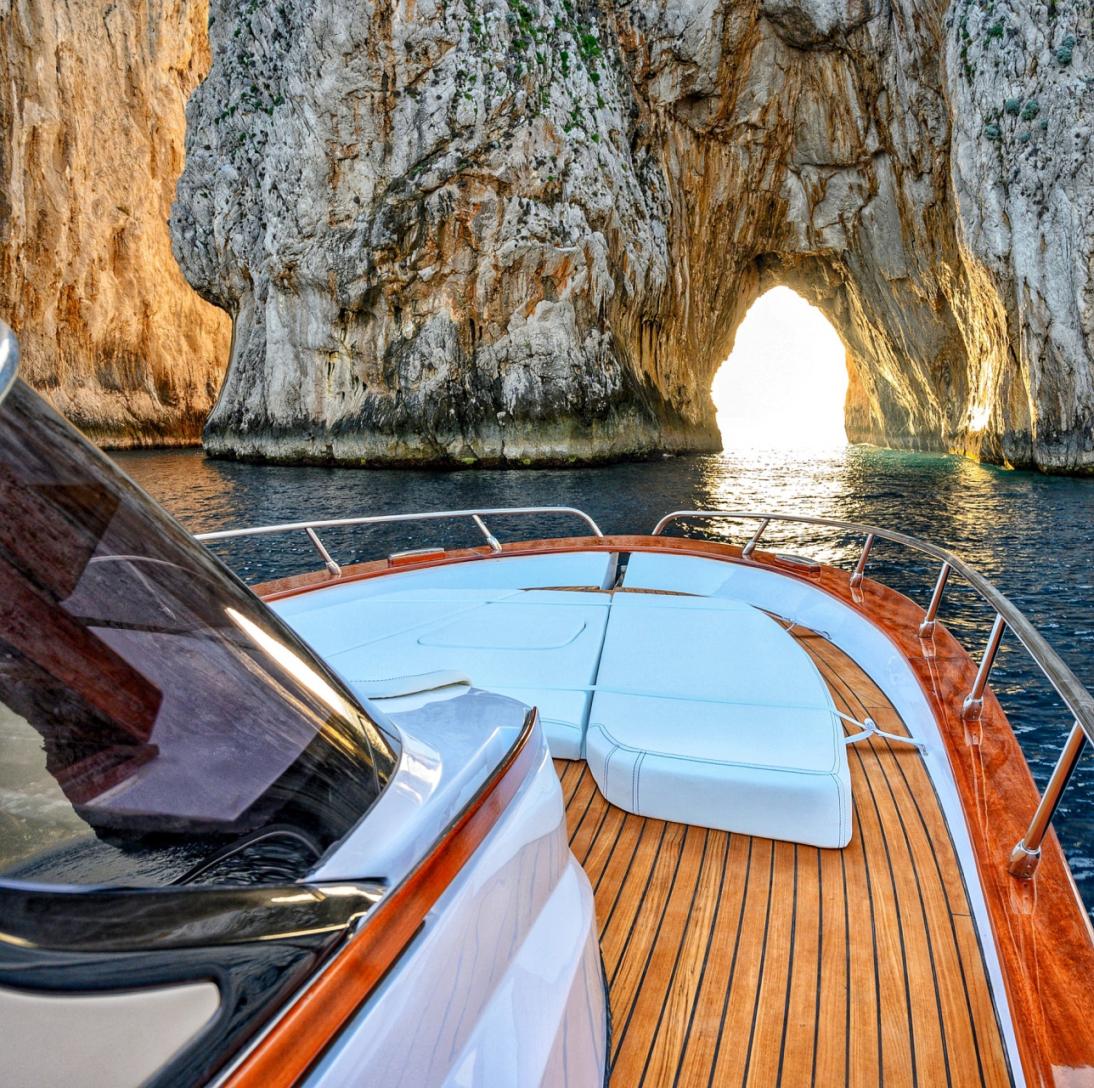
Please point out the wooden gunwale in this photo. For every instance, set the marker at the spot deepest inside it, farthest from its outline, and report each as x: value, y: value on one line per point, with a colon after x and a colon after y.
x: 283, y: 1056
x: 1042, y: 932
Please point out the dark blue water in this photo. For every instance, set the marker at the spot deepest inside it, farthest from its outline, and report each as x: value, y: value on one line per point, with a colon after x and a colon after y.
x: 1030, y: 534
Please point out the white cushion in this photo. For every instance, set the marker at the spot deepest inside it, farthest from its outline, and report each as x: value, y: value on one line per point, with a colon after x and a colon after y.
x: 707, y: 712
x: 695, y: 647
x: 538, y: 646
x: 700, y: 709
x: 678, y: 573
x: 488, y: 575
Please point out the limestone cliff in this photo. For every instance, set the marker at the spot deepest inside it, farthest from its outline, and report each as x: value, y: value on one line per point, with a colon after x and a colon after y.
x: 527, y: 229
x: 92, y: 126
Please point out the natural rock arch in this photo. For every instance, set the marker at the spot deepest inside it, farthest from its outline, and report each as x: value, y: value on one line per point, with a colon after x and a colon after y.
x: 522, y: 230
x: 784, y: 386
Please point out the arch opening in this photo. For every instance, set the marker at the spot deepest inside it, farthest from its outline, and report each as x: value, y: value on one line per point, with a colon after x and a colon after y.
x: 784, y: 384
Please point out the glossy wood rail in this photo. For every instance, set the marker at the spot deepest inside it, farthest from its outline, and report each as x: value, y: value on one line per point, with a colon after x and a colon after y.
x: 741, y: 961
x: 285, y: 1053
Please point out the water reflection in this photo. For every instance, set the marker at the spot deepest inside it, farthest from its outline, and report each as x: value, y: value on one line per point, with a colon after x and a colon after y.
x: 1030, y: 534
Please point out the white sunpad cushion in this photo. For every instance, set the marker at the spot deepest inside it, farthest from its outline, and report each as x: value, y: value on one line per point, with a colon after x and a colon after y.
x: 488, y: 576
x: 754, y: 735
x: 716, y: 787
x: 538, y: 646
x: 350, y: 622
x: 697, y: 647
x: 677, y: 573
x: 707, y: 712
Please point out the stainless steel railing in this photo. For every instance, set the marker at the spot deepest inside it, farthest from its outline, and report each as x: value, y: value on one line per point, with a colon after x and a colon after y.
x: 476, y: 517
x: 1027, y: 852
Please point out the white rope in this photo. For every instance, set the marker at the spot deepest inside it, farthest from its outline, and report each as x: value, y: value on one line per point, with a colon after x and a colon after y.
x: 869, y: 729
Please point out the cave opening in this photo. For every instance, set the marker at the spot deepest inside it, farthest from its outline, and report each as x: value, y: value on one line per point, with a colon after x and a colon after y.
x: 784, y: 384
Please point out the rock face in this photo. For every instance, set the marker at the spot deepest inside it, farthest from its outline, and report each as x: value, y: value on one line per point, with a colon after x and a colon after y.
x: 505, y: 230
x: 91, y: 141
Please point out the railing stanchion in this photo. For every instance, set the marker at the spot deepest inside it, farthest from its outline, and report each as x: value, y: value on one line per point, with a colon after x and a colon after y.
x: 860, y: 566
x: 926, y: 628
x: 974, y: 701
x: 490, y: 538
x: 750, y: 547
x: 329, y: 563
x: 1025, y: 857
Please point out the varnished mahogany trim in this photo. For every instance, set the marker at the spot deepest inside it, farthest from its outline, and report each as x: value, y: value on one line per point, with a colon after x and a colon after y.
x: 1042, y: 931
x: 298, y: 1038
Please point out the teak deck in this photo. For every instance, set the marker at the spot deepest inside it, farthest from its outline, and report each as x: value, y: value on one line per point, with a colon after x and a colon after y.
x: 1040, y: 928
x: 734, y: 960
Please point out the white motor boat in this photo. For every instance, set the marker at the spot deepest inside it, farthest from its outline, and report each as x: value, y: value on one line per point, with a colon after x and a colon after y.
x: 648, y: 809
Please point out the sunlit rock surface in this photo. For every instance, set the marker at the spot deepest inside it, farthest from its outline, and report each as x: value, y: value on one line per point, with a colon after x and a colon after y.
x: 453, y: 230
x: 92, y: 102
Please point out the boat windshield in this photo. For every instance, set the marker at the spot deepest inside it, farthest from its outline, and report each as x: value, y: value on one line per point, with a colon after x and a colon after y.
x: 158, y: 724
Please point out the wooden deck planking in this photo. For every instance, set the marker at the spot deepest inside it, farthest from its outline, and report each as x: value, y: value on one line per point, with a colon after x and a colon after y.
x: 741, y: 961
x: 1041, y: 929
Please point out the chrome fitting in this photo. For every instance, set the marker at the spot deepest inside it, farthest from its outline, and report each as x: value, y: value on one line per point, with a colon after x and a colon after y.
x: 1023, y: 862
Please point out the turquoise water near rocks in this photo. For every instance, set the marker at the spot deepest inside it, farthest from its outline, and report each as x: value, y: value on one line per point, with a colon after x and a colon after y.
x: 1032, y: 535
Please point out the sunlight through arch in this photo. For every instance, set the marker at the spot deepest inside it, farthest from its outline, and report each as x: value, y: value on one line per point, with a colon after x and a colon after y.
x: 785, y: 382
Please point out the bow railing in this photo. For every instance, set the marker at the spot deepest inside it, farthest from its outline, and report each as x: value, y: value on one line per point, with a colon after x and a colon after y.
x: 1008, y: 617
x: 476, y: 517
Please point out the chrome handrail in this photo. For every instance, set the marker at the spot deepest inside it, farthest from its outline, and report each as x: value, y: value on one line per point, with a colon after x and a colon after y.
x: 1024, y: 857
x: 475, y: 516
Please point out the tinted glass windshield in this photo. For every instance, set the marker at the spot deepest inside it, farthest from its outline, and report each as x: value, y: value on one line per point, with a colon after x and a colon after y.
x: 157, y: 723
